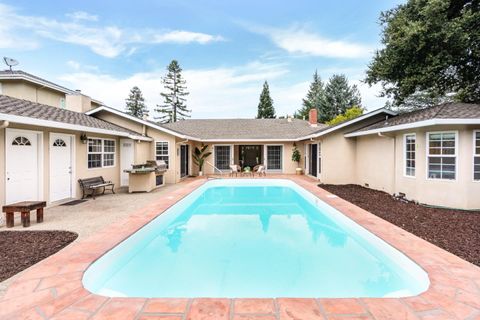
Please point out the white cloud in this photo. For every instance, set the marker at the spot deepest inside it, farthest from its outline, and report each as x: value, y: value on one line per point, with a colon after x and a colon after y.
x: 107, y: 41
x: 223, y: 92
x: 178, y: 36
x: 214, y: 93
x: 82, y: 15
x: 297, y: 40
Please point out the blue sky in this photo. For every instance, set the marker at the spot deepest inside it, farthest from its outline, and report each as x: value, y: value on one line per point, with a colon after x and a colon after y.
x: 226, y: 48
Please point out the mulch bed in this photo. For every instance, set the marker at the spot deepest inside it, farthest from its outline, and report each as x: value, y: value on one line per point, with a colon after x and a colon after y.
x: 457, y: 231
x: 21, y: 249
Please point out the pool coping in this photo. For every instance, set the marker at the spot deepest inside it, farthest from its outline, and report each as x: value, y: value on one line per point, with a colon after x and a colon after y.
x: 52, y: 289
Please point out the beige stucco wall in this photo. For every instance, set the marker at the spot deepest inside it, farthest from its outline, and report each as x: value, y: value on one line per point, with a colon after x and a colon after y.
x: 31, y: 92
x: 80, y: 160
x: 460, y: 193
x: 146, y: 150
x: 375, y: 162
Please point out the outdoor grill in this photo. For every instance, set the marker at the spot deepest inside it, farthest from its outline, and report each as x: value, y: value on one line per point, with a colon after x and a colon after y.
x: 146, y: 176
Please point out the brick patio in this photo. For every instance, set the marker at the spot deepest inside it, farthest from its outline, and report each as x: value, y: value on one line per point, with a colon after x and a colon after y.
x: 52, y: 289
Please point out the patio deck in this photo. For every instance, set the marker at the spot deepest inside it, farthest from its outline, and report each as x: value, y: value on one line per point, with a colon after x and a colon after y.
x: 52, y: 289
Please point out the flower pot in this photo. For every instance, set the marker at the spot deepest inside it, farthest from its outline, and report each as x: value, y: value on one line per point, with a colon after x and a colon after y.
x: 299, y: 171
x: 200, y: 173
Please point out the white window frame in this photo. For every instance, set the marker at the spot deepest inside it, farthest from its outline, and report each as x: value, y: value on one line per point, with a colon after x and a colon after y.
x: 405, y: 155
x: 168, y: 151
x: 102, y: 153
x: 427, y: 155
x: 265, y: 159
x: 474, y: 155
x: 232, y: 156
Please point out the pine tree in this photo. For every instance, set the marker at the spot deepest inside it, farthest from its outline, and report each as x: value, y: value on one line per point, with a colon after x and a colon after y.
x: 265, y: 106
x: 135, y: 103
x: 339, y: 96
x: 315, y: 95
x: 174, y: 107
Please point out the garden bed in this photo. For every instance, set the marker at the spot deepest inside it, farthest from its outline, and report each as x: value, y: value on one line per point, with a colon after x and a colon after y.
x: 22, y: 249
x: 457, y: 231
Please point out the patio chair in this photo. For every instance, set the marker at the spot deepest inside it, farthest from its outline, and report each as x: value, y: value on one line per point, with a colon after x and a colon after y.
x: 234, y: 170
x: 260, y: 170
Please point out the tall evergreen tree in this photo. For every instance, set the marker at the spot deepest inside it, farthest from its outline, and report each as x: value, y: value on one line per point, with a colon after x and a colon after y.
x: 135, y: 103
x: 265, y: 106
x: 174, y: 106
x: 315, y: 95
x: 339, y: 96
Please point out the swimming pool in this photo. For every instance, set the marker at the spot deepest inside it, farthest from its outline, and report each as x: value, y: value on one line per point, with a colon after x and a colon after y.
x: 254, y: 238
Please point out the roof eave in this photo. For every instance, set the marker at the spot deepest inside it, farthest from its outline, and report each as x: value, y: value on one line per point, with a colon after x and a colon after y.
x: 250, y: 140
x: 412, y: 125
x: 135, y: 119
x: 63, y: 125
x: 347, y: 123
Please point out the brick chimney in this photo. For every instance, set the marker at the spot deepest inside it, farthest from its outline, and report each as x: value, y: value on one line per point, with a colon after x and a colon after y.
x: 312, y: 117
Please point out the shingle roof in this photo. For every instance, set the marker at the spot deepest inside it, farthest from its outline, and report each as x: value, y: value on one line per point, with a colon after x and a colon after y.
x: 25, y: 108
x: 234, y: 129
x: 443, y: 111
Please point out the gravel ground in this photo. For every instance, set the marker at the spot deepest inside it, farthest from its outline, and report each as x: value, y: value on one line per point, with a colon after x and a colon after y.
x: 457, y: 231
x: 21, y: 250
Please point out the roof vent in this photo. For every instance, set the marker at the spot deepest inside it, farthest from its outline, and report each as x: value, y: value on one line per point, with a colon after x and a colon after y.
x: 78, y: 90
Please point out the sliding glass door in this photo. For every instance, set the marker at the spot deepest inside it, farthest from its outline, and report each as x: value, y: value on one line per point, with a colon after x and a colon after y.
x: 184, y: 163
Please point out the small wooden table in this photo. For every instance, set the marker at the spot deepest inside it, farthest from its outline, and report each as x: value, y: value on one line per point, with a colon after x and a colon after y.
x: 24, y: 207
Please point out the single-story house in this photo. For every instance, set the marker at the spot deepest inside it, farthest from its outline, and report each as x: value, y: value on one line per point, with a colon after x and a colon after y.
x: 431, y: 156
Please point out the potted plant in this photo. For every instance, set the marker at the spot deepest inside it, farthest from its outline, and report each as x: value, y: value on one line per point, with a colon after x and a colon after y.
x: 296, y: 157
x: 199, y: 156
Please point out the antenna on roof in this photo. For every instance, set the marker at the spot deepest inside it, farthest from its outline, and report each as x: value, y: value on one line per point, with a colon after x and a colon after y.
x: 10, y: 62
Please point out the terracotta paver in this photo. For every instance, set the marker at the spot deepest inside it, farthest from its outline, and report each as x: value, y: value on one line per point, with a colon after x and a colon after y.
x: 342, y: 306
x: 293, y: 309
x: 166, y: 306
x: 256, y: 306
x: 209, y: 309
x: 52, y: 289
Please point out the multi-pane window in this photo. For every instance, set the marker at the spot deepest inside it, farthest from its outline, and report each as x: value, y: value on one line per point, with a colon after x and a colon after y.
x: 410, y: 155
x: 100, y: 153
x: 161, y: 151
x: 442, y: 155
x: 108, y: 153
x: 274, y: 157
x: 476, y: 156
x: 222, y: 157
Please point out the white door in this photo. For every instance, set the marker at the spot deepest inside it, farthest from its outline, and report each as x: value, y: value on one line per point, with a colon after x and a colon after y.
x: 23, y: 166
x: 61, y: 166
x: 126, y: 159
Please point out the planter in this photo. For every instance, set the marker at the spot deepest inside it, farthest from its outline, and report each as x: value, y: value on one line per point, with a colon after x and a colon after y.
x: 299, y: 171
x: 200, y: 173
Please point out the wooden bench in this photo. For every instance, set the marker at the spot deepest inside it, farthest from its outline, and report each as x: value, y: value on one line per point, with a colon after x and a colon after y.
x: 24, y: 207
x: 91, y: 185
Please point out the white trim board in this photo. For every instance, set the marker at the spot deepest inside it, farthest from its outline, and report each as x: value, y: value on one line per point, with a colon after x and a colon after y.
x: 347, y: 123
x: 67, y: 126
x: 135, y: 119
x: 41, y: 82
x: 418, y: 124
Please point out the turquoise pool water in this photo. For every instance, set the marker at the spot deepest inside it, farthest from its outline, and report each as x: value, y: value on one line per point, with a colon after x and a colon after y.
x: 254, y: 238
